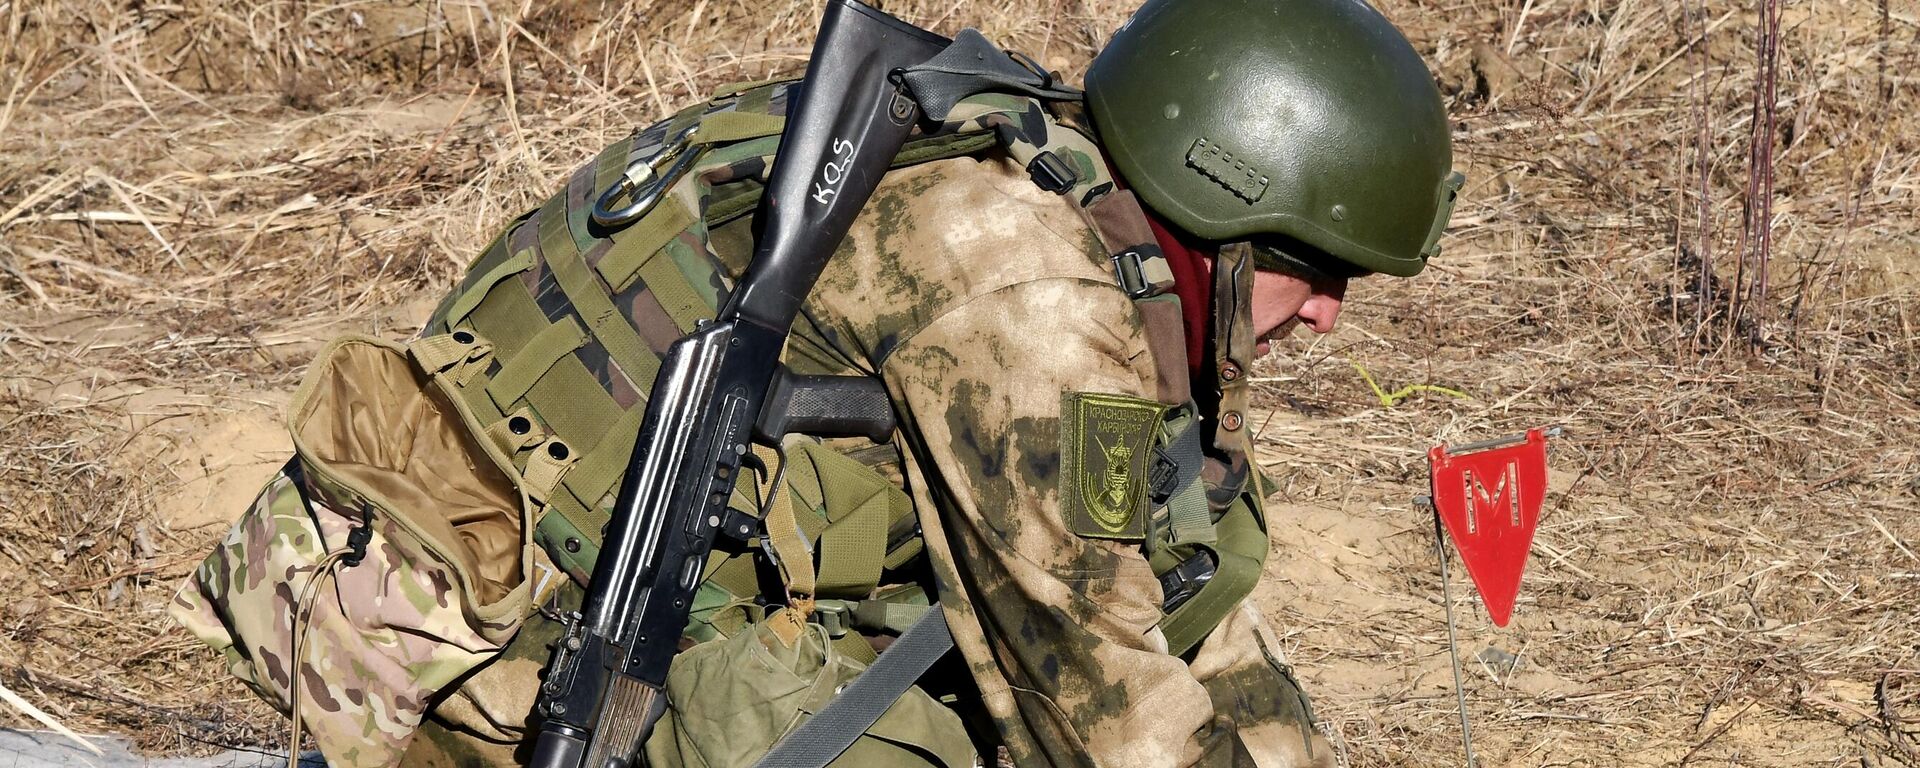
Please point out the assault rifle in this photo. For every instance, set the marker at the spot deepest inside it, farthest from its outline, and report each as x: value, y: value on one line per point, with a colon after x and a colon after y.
x: 722, y: 388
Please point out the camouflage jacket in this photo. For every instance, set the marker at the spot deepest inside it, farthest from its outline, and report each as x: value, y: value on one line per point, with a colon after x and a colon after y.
x: 991, y: 309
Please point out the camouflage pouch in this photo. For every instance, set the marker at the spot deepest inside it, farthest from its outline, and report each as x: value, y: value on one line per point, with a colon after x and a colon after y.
x: 732, y: 699
x: 388, y: 559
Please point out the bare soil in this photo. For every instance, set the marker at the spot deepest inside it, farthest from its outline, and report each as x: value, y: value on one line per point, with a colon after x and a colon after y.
x: 195, y: 196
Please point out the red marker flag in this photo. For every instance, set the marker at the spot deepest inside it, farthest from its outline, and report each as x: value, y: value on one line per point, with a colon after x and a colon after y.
x: 1488, y: 495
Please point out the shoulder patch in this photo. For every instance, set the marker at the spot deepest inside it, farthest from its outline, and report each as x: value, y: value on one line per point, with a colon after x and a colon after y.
x: 1105, y: 441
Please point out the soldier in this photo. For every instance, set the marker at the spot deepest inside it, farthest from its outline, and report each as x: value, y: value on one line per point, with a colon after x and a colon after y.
x: 1052, y: 344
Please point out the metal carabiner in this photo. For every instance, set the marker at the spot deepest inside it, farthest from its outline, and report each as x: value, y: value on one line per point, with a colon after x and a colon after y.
x: 643, y: 192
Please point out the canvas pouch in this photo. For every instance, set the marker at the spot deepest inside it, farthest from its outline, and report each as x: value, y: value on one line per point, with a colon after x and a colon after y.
x: 732, y: 699
x: 391, y: 556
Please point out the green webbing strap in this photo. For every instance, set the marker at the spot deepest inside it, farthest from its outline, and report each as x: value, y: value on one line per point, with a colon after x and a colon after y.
x: 737, y: 125
x: 547, y: 463
x: 471, y: 297
x: 854, y: 646
x: 509, y: 319
x: 609, y: 165
x: 854, y: 546
x: 640, y: 243
x: 561, y: 521
x: 885, y: 615
x: 589, y: 298
x: 729, y: 89
x: 521, y: 371
x: 759, y: 101
x: 570, y: 401
x: 603, y: 464
x: 1242, y: 552
x: 670, y: 287
x: 1187, y: 510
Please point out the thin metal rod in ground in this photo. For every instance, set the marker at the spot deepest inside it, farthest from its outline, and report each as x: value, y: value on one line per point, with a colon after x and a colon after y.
x: 1453, y: 642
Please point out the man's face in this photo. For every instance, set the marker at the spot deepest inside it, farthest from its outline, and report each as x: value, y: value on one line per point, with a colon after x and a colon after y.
x: 1282, y: 301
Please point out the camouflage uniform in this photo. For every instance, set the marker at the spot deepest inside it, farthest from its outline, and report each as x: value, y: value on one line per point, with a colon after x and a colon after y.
x: 982, y: 300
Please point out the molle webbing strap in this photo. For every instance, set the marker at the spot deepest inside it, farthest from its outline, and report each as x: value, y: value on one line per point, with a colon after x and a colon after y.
x: 759, y: 101
x: 465, y: 353
x: 586, y: 185
x: 564, y: 519
x: 600, y: 468
x: 589, y: 297
x: 674, y: 292
x: 472, y: 295
x: 520, y: 373
x: 737, y: 125
x: 569, y: 399
x: 641, y: 242
x: 508, y: 317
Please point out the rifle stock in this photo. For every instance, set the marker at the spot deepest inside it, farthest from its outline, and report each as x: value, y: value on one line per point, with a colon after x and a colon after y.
x: 603, y: 688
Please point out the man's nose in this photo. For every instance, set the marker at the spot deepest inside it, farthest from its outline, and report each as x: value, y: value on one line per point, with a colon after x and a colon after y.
x: 1323, y: 306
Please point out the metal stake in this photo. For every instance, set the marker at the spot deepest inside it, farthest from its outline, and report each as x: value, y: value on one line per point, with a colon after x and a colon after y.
x: 1453, y: 642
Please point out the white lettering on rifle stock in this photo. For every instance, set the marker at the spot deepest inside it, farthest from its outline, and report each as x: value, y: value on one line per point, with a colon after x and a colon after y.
x: 833, y: 172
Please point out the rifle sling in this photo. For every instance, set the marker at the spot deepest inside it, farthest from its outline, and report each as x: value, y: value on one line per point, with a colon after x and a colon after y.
x: 822, y: 738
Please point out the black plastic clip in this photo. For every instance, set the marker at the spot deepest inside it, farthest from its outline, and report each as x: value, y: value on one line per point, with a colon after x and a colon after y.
x: 1051, y: 173
x: 1163, y: 477
x: 359, y: 537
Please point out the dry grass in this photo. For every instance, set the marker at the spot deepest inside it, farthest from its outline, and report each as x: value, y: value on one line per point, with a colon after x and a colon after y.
x: 193, y: 195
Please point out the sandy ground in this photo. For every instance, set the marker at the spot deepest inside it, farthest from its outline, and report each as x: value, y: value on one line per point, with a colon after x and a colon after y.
x: 194, y: 197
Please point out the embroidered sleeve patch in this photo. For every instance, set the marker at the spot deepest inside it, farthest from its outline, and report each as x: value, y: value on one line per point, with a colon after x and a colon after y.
x: 1105, y: 443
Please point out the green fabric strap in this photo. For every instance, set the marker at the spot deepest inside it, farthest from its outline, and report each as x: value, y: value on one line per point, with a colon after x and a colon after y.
x: 854, y: 546
x: 471, y: 297
x: 638, y: 244
x: 853, y: 646
x: 737, y: 125
x: 1187, y: 511
x: 887, y: 615
x: 758, y: 101
x: 1242, y: 552
x: 564, y: 520
x: 521, y: 371
x: 589, y: 298
x: 670, y: 287
x: 602, y: 466
x: 729, y: 89
x: 570, y: 401
x: 509, y: 319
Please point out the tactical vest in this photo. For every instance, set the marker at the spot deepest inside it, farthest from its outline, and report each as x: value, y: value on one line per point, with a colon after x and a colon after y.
x: 556, y: 332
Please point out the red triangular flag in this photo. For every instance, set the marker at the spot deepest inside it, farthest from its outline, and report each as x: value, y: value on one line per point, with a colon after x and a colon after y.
x: 1490, y: 502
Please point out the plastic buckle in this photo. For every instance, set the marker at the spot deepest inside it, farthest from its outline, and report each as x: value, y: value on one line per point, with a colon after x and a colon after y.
x: 1051, y: 173
x: 834, y: 616
x: 1131, y: 273
x: 1163, y: 477
x: 1181, y: 582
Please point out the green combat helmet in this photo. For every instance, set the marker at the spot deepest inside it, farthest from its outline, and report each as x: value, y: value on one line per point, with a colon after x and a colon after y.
x: 1309, y: 127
